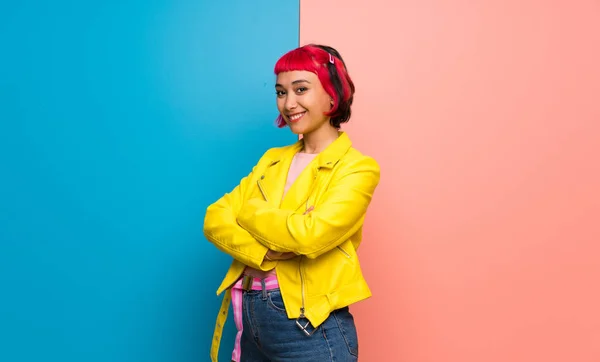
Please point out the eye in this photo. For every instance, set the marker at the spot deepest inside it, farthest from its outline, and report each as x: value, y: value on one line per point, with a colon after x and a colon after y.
x: 280, y: 93
x: 301, y: 90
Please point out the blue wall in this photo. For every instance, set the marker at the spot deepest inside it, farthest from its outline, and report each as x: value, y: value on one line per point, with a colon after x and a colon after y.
x: 120, y: 121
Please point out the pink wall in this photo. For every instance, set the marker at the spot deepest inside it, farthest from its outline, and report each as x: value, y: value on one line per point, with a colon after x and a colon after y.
x: 482, y: 243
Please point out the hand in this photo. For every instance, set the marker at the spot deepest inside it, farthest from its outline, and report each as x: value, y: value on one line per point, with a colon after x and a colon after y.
x: 276, y: 255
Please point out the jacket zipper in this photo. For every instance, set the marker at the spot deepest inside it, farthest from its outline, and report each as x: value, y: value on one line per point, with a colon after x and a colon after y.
x: 262, y: 191
x: 304, y: 327
x: 302, y: 284
x: 303, y: 307
x: 343, y: 251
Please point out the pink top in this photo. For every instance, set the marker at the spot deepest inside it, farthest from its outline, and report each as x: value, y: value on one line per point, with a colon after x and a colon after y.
x: 299, y: 163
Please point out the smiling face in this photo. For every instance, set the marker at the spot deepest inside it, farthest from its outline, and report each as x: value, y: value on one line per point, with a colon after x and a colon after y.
x: 302, y: 101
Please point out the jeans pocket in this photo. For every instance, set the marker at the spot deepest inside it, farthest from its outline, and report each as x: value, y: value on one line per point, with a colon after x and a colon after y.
x: 275, y: 301
x: 345, y: 322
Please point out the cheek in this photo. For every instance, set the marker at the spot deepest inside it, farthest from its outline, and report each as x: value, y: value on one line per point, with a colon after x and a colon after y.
x: 325, y: 104
x: 280, y: 104
x: 323, y: 100
x: 311, y: 102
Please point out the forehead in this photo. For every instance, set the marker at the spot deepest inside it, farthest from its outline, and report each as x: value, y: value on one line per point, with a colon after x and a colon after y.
x: 287, y: 78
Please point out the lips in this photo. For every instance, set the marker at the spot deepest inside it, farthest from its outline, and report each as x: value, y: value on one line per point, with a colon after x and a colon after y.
x: 296, y: 116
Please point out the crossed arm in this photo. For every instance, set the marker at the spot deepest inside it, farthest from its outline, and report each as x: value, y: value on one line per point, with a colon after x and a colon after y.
x: 221, y: 228
x: 339, y: 215
x: 257, y: 234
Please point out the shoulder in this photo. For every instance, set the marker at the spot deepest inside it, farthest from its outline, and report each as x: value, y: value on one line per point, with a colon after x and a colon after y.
x: 356, y: 160
x: 357, y: 170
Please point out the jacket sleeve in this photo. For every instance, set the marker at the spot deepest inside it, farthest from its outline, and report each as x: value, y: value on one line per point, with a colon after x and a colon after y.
x: 338, y: 216
x: 221, y: 229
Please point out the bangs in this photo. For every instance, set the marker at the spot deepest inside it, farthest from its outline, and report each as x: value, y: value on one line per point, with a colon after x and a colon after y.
x: 297, y: 59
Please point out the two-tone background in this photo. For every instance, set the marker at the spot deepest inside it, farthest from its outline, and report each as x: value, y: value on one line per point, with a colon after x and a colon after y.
x: 120, y: 121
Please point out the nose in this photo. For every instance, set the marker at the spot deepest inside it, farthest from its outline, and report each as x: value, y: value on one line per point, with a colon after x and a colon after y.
x: 290, y: 102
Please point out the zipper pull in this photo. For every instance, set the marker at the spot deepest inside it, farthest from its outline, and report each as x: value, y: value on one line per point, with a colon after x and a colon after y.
x: 304, y: 328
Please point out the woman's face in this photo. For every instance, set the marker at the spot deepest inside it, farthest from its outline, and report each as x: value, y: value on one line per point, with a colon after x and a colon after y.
x: 302, y: 101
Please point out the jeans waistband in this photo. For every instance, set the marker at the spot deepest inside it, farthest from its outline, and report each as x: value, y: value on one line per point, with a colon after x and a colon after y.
x: 248, y: 282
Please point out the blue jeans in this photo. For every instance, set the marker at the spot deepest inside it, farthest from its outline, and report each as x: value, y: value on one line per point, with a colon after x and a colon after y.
x: 270, y: 336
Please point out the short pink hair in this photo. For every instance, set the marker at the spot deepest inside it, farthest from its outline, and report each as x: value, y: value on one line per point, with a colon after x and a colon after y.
x: 331, y: 70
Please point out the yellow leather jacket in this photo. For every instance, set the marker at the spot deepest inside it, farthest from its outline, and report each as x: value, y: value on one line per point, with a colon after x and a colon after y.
x: 338, y: 185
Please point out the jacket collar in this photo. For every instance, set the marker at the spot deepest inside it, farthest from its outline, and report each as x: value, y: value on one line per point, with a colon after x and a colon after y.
x: 273, y: 185
x: 327, y: 158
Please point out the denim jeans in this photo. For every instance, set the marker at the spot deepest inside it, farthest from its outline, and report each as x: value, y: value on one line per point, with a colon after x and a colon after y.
x: 270, y: 336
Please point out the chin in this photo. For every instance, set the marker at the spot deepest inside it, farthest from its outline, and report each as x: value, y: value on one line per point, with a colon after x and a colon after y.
x: 296, y: 129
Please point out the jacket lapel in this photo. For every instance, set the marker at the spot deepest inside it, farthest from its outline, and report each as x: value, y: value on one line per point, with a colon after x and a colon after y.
x: 272, y: 182
x: 301, y: 188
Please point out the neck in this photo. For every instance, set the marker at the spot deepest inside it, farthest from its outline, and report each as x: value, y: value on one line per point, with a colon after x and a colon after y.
x: 318, y: 140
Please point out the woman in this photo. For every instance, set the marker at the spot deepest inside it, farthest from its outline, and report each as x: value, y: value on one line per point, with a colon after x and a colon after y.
x: 294, y: 223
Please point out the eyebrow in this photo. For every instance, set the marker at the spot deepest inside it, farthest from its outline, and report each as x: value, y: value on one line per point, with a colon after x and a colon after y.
x: 294, y: 82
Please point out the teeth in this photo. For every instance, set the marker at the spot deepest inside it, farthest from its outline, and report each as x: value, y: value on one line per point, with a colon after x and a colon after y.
x: 296, y: 116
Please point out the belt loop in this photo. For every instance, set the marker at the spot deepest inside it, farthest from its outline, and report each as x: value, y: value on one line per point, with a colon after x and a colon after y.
x: 264, y: 289
x: 247, y: 282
